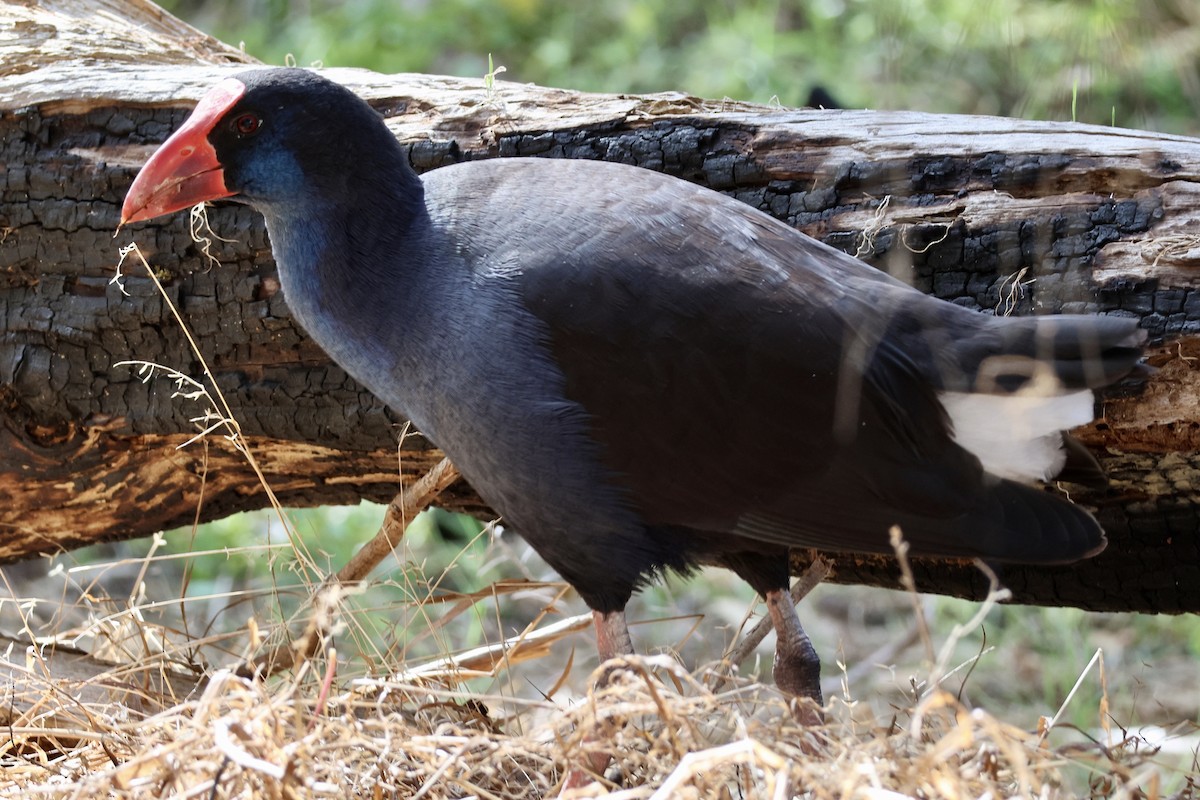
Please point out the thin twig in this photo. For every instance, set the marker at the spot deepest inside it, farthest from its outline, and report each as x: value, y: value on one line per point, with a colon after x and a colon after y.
x: 910, y: 585
x: 883, y: 656
x: 817, y: 571
x: 1045, y: 727
x: 400, y: 512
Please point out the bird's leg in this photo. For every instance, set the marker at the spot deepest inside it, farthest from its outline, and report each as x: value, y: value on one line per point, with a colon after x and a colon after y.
x: 797, y: 667
x: 612, y: 634
x: 612, y: 640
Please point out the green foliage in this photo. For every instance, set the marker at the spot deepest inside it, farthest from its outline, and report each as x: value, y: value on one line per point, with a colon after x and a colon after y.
x: 1134, y: 64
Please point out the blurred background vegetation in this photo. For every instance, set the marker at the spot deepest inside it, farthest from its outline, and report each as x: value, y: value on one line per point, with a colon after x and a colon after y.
x: 1133, y: 64
x: 1098, y: 61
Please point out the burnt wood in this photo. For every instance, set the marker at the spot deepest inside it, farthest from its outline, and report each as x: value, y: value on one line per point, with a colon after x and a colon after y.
x: 1003, y: 215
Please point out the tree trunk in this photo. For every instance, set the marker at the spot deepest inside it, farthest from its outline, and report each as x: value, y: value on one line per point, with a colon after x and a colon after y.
x: 1004, y: 215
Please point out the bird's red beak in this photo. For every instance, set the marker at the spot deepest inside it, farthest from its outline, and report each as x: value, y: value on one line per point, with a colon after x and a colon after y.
x: 185, y: 170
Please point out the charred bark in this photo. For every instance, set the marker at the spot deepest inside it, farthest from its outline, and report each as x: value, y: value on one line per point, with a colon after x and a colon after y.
x: 1003, y: 215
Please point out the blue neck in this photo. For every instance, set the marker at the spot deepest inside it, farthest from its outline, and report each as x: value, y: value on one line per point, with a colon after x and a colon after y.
x: 355, y: 277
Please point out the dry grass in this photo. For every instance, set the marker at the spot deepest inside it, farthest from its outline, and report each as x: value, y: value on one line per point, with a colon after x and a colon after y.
x: 334, y: 728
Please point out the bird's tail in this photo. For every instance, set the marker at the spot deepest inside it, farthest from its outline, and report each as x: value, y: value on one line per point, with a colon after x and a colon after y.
x: 1050, y: 354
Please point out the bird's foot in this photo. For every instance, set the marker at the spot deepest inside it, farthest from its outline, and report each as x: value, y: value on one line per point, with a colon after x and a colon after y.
x: 797, y: 667
x: 590, y: 770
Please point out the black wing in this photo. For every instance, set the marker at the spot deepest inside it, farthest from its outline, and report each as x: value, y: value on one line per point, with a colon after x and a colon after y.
x: 744, y: 378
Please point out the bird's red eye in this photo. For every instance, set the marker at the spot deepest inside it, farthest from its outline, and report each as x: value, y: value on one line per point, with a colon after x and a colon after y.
x: 246, y: 124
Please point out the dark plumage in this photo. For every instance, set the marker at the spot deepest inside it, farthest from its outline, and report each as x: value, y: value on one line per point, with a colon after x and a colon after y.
x: 640, y: 374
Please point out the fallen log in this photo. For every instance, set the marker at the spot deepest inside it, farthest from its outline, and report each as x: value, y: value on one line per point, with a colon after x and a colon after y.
x: 1003, y: 215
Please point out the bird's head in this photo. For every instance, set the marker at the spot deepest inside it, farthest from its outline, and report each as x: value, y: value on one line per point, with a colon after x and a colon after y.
x: 269, y: 137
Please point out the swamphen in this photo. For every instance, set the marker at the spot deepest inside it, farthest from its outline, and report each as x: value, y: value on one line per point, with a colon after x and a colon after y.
x: 641, y: 374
